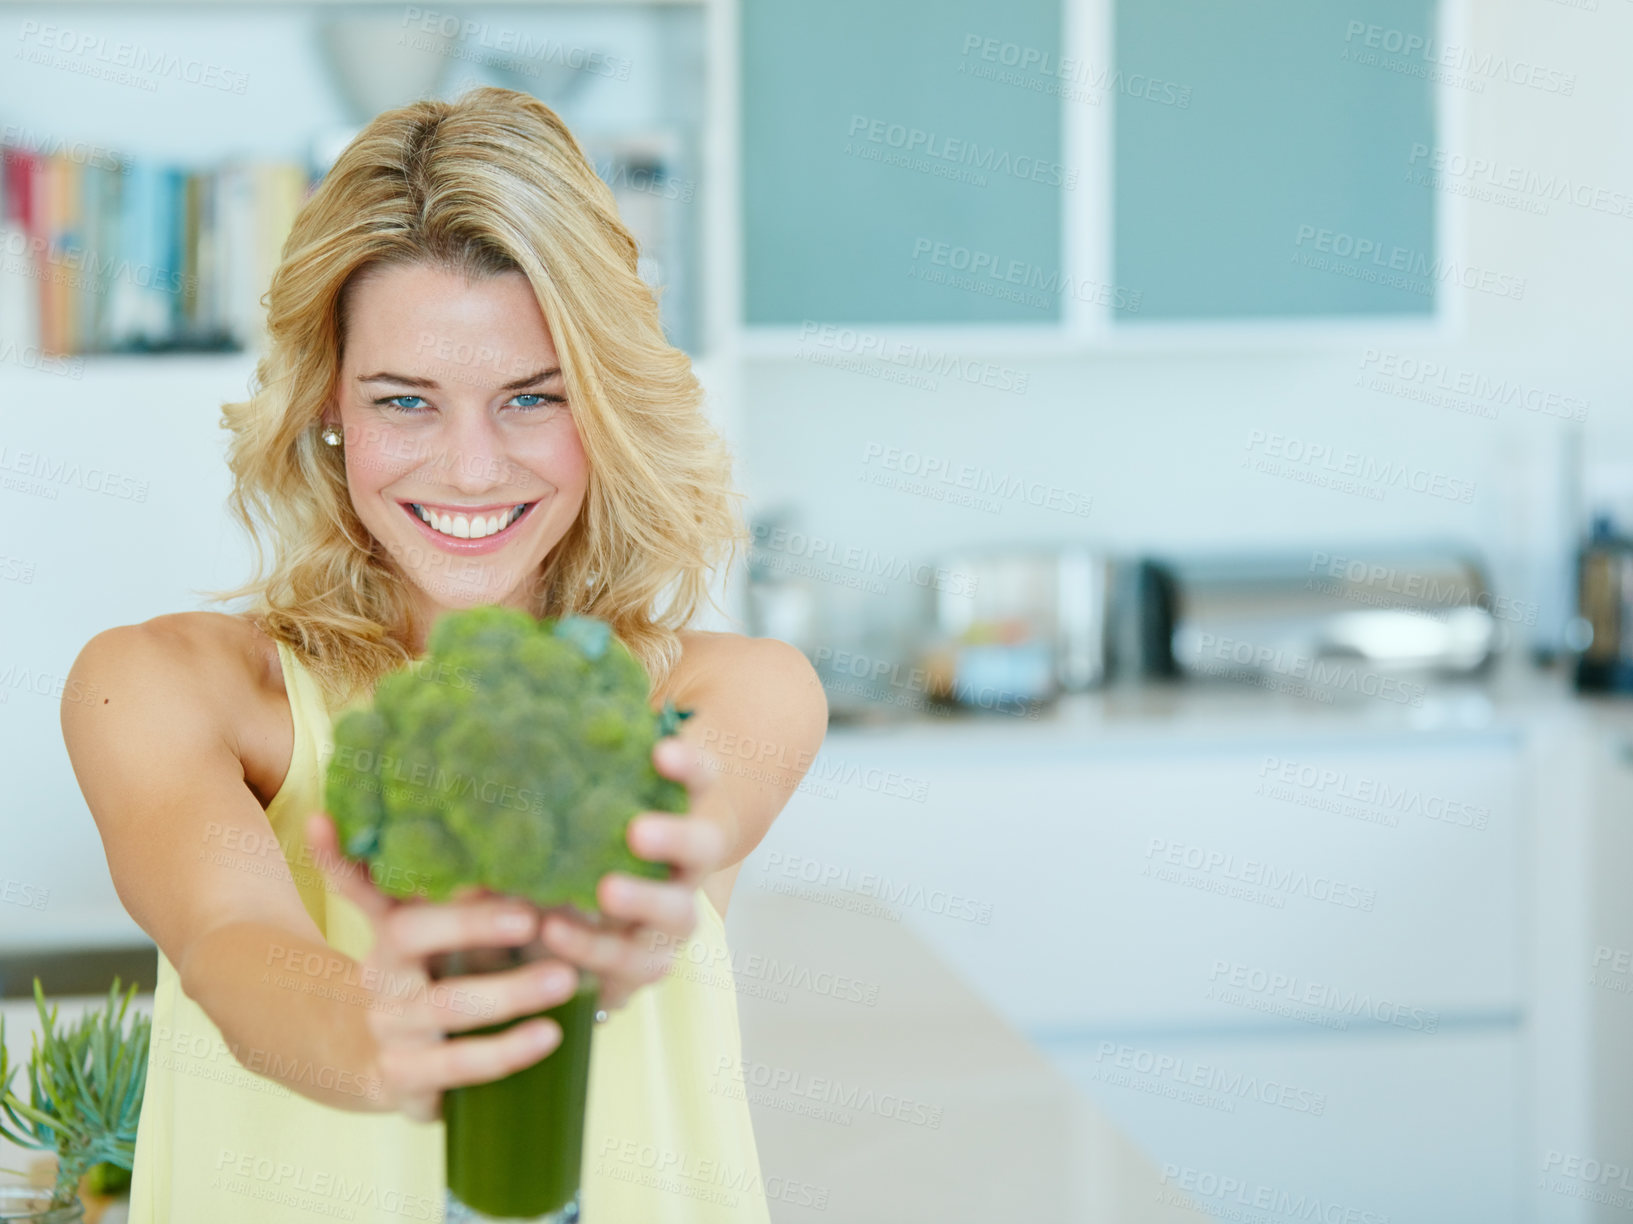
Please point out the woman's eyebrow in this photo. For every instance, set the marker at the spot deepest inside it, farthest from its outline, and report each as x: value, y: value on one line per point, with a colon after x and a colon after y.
x: 430, y: 384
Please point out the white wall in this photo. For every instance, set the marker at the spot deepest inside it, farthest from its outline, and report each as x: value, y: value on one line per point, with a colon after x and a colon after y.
x: 113, y: 509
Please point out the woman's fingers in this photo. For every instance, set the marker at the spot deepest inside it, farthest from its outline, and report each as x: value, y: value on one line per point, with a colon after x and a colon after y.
x: 665, y: 907
x: 680, y: 761
x: 622, y: 956
x: 419, y: 930
x: 457, y: 1004
x: 695, y: 845
x: 430, y: 1068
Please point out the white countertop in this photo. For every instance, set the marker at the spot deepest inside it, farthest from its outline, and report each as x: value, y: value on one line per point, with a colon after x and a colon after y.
x: 1504, y: 702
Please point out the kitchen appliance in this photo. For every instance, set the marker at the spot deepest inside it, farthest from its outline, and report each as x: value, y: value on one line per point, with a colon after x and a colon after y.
x: 1017, y: 626
x: 1381, y: 610
x: 1602, y: 633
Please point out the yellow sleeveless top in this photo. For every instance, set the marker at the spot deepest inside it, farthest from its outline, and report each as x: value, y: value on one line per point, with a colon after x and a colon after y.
x: 668, y: 1135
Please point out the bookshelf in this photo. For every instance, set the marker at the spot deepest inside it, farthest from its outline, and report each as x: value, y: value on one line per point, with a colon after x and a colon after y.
x: 114, y: 240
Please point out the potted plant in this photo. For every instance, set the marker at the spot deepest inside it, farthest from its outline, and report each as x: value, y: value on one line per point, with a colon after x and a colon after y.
x: 84, y: 1101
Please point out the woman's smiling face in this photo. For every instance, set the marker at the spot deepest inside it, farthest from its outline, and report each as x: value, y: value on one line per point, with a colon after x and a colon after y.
x: 451, y: 402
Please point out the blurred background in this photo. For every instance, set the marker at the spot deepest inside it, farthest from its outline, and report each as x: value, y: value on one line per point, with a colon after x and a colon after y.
x: 1192, y: 442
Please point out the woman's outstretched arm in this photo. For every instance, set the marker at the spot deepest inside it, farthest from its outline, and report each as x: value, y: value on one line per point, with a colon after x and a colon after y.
x: 760, y: 715
x: 195, y: 862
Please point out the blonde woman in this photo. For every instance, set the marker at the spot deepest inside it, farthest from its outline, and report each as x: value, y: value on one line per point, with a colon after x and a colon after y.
x: 466, y: 398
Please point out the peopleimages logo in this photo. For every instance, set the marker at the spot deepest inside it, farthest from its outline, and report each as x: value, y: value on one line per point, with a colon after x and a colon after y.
x: 1377, y: 582
x: 902, y: 894
x: 24, y: 894
x: 1490, y: 394
x: 1231, y: 979
x: 1210, y: 1078
x: 32, y: 357
x: 515, y: 42
x: 77, y: 151
x: 826, y: 1090
x: 957, y: 151
x: 1235, y: 1193
x: 1029, y: 64
x: 1380, y: 473
x: 1458, y: 58
x: 845, y: 342
x: 1597, y: 1180
x: 1212, y: 653
x: 1404, y: 263
x: 773, y: 542
x: 1520, y: 180
x: 974, y: 477
x: 1260, y: 874
x: 43, y: 467
x: 967, y: 268
x: 121, y: 55
x: 1280, y: 776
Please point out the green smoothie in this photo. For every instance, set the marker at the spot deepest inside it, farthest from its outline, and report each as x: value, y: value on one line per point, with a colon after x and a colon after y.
x: 515, y: 1146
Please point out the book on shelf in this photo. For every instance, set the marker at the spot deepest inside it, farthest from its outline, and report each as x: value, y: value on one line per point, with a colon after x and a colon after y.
x: 129, y: 255
x: 120, y: 254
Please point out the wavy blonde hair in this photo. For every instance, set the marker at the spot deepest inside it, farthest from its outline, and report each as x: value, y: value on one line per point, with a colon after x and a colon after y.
x: 491, y: 182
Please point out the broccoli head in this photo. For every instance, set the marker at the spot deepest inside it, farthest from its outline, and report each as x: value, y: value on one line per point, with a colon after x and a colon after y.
x: 511, y: 757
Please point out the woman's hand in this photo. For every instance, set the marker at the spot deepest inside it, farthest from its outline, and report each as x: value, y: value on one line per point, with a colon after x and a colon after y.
x: 409, y: 1012
x: 641, y: 920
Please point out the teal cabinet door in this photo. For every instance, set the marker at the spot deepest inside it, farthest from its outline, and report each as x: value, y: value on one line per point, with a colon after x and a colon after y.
x: 1286, y: 169
x: 902, y: 161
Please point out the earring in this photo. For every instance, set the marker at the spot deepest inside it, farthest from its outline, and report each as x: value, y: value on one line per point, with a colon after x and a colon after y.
x: 331, y: 436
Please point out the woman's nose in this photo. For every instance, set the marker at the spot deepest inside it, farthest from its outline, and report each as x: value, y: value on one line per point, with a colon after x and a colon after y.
x: 472, y: 451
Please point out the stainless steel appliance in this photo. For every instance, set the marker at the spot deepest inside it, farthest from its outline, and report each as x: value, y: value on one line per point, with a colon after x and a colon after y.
x: 1602, y: 634
x: 1413, y: 610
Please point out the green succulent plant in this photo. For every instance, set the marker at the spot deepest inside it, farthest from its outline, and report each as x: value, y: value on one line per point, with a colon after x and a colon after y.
x: 85, y: 1092
x: 511, y: 757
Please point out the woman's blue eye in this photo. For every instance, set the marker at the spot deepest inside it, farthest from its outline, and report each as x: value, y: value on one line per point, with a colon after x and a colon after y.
x: 541, y: 400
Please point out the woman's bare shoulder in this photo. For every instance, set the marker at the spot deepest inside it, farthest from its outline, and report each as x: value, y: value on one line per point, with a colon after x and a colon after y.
x: 180, y: 667
x: 777, y: 672
x: 223, y: 651
x: 219, y: 659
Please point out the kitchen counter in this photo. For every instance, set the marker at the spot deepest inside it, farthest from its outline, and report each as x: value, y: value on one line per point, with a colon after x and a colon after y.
x: 1416, y: 914
x: 905, y: 1095
x: 1502, y: 700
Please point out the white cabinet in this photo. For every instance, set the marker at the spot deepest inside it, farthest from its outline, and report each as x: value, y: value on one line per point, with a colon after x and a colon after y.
x: 1610, y: 958
x: 1580, y: 1153
x: 1353, y: 886
x: 1407, y: 1130
x: 1192, y: 925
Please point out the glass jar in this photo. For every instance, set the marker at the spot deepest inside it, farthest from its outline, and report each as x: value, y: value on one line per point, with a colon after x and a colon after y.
x: 514, y: 1146
x: 31, y: 1205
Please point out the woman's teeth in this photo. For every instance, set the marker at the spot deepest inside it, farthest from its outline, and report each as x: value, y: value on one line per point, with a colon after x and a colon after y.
x: 469, y: 527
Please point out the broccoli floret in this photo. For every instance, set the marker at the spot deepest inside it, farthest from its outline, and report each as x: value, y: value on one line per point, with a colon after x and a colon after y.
x: 512, y: 757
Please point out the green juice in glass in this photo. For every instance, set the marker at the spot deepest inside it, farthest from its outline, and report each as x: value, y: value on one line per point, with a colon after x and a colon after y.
x: 515, y: 1146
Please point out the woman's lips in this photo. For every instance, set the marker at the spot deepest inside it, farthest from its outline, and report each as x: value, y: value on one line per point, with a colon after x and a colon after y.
x: 467, y: 548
